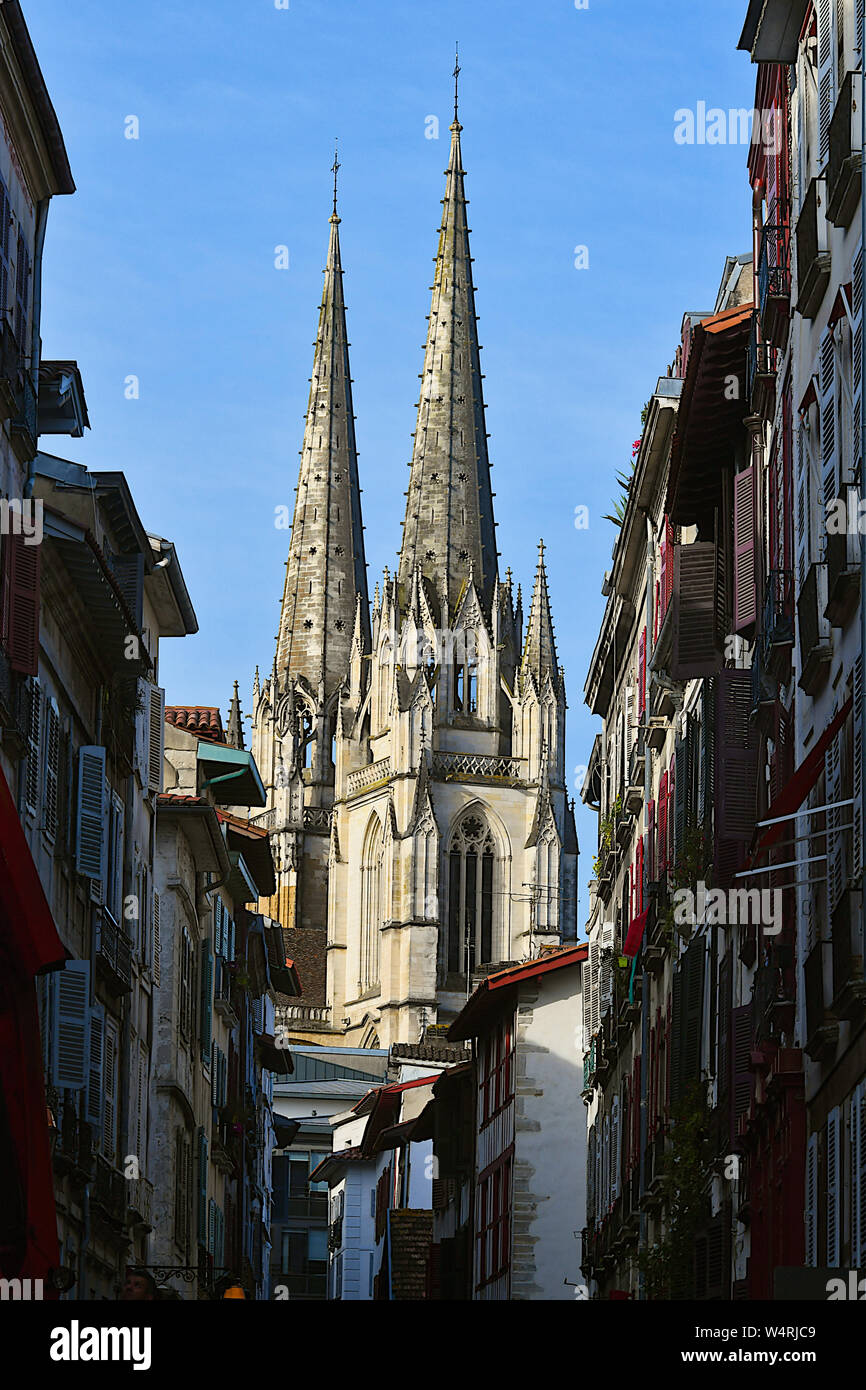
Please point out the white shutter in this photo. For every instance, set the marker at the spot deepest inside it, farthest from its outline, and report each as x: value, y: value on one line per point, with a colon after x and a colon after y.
x: 608, y: 938
x: 829, y: 425
x: 858, y: 1176
x: 833, y: 1189
x: 826, y: 77
x: 114, y: 892
x: 857, y: 356
x: 90, y: 837
x: 52, y: 770
x: 595, y: 988
x: 70, y: 1028
x: 156, y: 734
x: 804, y: 514
x: 812, y: 1201
x: 616, y: 1152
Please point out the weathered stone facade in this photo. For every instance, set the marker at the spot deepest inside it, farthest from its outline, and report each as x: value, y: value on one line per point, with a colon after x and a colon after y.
x: 413, y: 752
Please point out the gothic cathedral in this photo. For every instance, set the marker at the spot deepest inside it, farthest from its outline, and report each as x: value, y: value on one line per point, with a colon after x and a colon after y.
x: 413, y: 751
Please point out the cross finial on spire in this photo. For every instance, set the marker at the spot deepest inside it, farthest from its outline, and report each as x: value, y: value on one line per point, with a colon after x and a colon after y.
x: 456, y: 76
x: 334, y: 168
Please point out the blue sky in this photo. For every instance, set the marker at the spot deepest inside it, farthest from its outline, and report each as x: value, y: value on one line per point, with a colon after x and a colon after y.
x: 162, y: 266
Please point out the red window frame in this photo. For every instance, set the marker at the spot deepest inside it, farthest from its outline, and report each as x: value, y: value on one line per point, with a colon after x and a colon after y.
x: 493, y: 1227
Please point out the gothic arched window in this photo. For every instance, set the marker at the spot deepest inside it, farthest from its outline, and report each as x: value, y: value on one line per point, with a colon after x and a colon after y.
x: 471, y: 861
x: 308, y: 739
x: 371, y: 905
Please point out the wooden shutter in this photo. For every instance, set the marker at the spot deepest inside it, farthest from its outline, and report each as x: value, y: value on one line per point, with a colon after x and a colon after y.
x: 834, y: 1188
x: 615, y: 1149
x: 109, y: 1092
x: 22, y: 295
x: 52, y: 770
x: 666, y: 569
x: 129, y: 573
x: 693, y: 1008
x: 830, y: 482
x: 95, y: 1082
x: 662, y: 857
x: 70, y: 1027
x: 836, y: 817
x: 858, y: 1176
x: 698, y: 589
x: 141, y: 1106
x: 154, y: 907
x: 735, y: 773
x: 745, y: 530
x: 636, y: 1111
x: 211, y: 1226
x: 202, y: 1185
x: 641, y: 676
x: 677, y: 1031
x: 742, y: 1079
x: 156, y: 718
x: 90, y: 837
x: 826, y: 76
x: 22, y: 604
x: 726, y: 980
x: 681, y: 785
x: 857, y: 809
x: 812, y: 1201
x: 651, y: 841
x: 34, y: 748
x: 206, y: 999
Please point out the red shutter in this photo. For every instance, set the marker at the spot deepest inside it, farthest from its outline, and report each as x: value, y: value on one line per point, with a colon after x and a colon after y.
x: 638, y: 886
x: 698, y: 611
x: 667, y: 570
x: 21, y: 604
x: 651, y: 841
x: 736, y: 773
x: 662, y: 856
x: 745, y: 593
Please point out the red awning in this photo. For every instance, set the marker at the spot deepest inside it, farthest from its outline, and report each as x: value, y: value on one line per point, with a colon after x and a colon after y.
x: 810, y: 397
x: 841, y: 305
x: 30, y: 938
x: 635, y: 934
x: 791, y: 798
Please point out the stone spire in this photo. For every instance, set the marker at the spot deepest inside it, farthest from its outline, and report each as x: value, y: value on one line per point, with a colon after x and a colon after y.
x: 449, y: 507
x: 539, y: 650
x: 235, y: 733
x: 326, y: 567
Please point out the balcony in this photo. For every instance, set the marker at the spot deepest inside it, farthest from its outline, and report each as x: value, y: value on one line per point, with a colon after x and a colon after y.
x: 13, y: 709
x: 140, y: 1203
x: 18, y: 397
x: 335, y: 1234
x: 471, y: 767
x: 636, y: 766
x: 113, y: 954
x: 772, y: 1004
x: 813, y: 251
x: 761, y: 362
x: 843, y: 168
x: 108, y: 1194
x: 849, y: 984
x: 777, y: 628
x: 222, y: 991
x: 822, y: 1028
x: 843, y: 577
x: 816, y: 644
x: 311, y: 1205
x: 774, y: 274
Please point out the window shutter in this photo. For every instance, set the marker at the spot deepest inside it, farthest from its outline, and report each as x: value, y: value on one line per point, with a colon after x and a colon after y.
x: 109, y: 1092
x: 641, y: 676
x: 230, y: 953
x: 666, y: 567
x: 651, y: 841
x: 115, y: 885
x: 615, y: 1150
x: 724, y: 1013
x: 681, y: 784
x: 742, y: 1079
x: 826, y: 86
x: 812, y: 1201
x: 662, y: 856
x: 857, y: 842
x: 70, y: 1029
x: 693, y: 1004
x: 202, y: 1185
x: 154, y: 908
x: 745, y: 591
x: 833, y: 1189
x: 206, y: 999
x: 211, y: 1227
x: 22, y: 296
x: 156, y: 715
x: 698, y: 596
x: 90, y: 838
x: 590, y: 1178
x: 828, y: 419
x: 835, y: 819
x: 23, y: 576
x: 129, y: 573
x: 141, y: 1107
x: 52, y: 771
x: 95, y: 1083
x: 34, y: 748
x: 735, y: 772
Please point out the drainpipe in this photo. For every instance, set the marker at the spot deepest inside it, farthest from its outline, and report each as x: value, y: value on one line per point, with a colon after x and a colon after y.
x: 35, y: 332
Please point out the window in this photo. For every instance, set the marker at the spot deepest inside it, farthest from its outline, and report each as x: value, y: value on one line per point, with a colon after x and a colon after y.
x: 371, y: 905
x: 185, y: 983
x: 182, y: 1188
x: 470, y: 895
x: 50, y: 797
x: 109, y: 1095
x: 493, y: 1229
x: 496, y: 1082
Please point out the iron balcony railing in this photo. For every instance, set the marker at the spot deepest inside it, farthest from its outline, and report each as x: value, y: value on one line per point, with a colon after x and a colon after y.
x: 774, y: 266
x: 113, y: 953
x: 778, y: 622
x: 761, y: 365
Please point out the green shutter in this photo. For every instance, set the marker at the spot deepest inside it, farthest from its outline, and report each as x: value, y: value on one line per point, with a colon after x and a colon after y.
x: 206, y: 999
x: 202, y: 1187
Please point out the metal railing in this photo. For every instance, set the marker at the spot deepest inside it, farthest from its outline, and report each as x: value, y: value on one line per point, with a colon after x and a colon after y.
x: 774, y: 266
x: 113, y: 953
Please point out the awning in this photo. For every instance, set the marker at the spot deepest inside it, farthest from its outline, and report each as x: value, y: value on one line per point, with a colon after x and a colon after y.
x: 841, y: 305
x: 29, y: 936
x: 810, y: 397
x: 792, y: 796
x: 635, y: 934
x: 273, y: 1058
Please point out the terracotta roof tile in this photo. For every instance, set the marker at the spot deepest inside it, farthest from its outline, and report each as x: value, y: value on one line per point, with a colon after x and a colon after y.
x: 204, y: 721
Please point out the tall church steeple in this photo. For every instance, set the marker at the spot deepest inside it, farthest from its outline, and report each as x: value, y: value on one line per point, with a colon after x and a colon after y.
x: 326, y: 567
x: 539, y: 651
x: 449, y: 509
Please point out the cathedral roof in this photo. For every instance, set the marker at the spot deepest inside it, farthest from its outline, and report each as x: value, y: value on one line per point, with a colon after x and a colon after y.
x: 449, y: 509
x: 326, y: 567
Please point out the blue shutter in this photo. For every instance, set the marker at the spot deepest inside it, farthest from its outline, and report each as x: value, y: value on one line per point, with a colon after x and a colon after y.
x: 93, y: 1112
x: 70, y: 1026
x: 91, y: 831
x: 206, y: 999
x: 211, y: 1226
x: 230, y: 943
